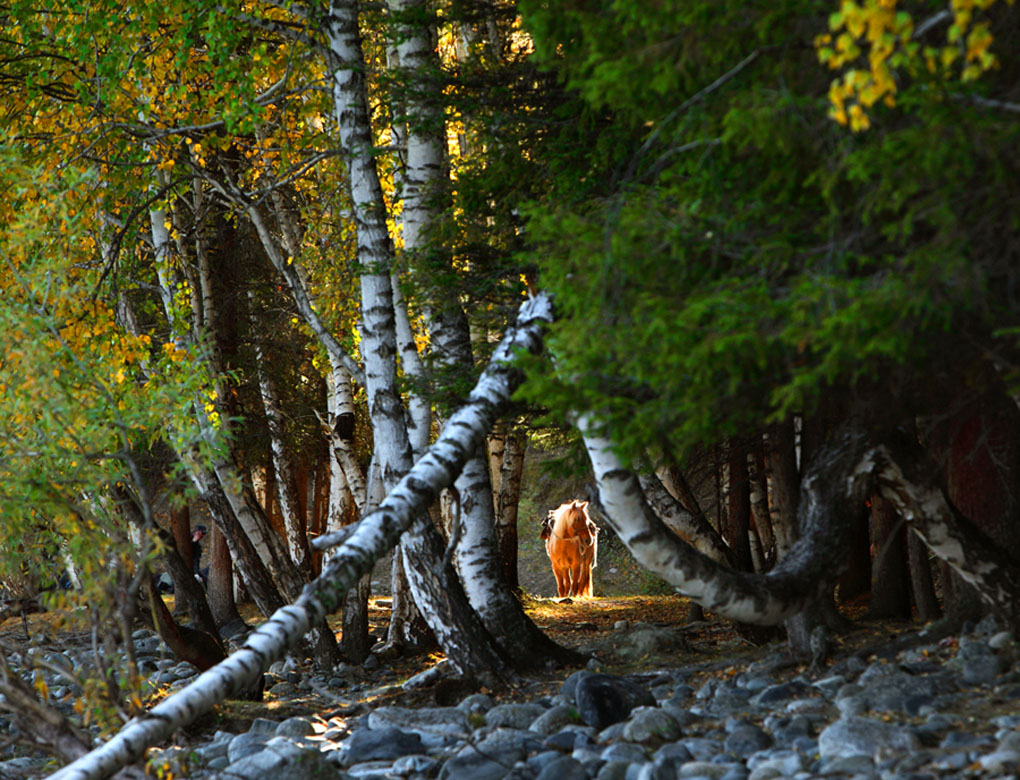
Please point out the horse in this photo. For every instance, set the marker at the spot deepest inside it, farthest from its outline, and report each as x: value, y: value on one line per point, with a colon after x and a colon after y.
x: 572, y: 542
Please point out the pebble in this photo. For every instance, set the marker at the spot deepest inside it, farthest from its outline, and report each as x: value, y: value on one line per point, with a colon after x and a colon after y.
x: 909, y: 715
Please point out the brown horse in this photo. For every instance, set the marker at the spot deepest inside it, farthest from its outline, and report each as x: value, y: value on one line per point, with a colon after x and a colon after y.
x: 572, y: 542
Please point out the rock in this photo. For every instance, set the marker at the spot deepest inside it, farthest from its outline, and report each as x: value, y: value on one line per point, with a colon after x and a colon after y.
x: 283, y: 760
x: 703, y: 749
x: 514, y: 716
x: 235, y: 631
x: 295, y: 728
x: 604, y: 699
x: 246, y: 744
x: 379, y: 744
x: 651, y: 725
x: 508, y: 744
x: 855, y: 736
x: 704, y: 769
x: 474, y: 767
x: 981, y: 669
x: 644, y: 639
x: 555, y: 719
x: 614, y: 770
x: 569, y: 688
x: 415, y: 764
x: 782, y: 692
x: 1001, y: 640
x: 624, y: 751
x: 436, y: 726
x: 776, y: 762
x: 477, y: 703
x: 563, y: 768
x: 1001, y: 761
x: 747, y: 739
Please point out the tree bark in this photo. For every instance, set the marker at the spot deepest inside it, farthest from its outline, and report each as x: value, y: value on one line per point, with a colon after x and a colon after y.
x: 463, y: 434
x: 221, y: 580
x: 468, y: 648
x: 921, y: 583
x: 806, y: 572
x: 890, y: 597
x: 739, y: 507
x: 507, y: 503
x: 180, y: 529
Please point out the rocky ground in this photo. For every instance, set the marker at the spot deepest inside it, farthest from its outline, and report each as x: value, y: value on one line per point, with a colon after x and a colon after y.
x: 659, y: 700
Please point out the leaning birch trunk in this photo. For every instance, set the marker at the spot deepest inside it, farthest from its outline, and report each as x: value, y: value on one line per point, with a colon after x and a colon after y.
x: 370, y: 539
x: 831, y: 494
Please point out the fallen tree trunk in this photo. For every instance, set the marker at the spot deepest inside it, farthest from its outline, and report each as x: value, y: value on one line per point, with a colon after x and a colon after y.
x: 371, y: 538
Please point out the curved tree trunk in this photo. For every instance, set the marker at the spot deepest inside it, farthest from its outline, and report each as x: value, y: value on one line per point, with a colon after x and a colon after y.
x: 829, y: 494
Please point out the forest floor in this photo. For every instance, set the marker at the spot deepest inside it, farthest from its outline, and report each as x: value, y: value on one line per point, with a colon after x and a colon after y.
x: 625, y: 595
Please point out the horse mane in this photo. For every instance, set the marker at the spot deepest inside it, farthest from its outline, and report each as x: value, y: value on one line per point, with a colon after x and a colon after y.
x: 567, y: 515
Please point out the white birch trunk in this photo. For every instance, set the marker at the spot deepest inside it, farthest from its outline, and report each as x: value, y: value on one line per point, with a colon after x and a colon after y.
x: 290, y: 508
x: 371, y: 539
x: 745, y: 597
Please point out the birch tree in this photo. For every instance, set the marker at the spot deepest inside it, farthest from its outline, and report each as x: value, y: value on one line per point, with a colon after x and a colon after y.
x: 355, y: 554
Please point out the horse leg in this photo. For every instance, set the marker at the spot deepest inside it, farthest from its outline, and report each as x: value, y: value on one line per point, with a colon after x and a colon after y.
x: 562, y: 580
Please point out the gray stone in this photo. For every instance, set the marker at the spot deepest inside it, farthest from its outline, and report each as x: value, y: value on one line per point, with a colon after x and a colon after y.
x: 246, y: 744
x: 1000, y: 761
x: 981, y: 669
x: 782, y: 762
x: 624, y: 751
x: 703, y: 769
x: 555, y: 719
x: 569, y: 688
x: 862, y: 736
x: 282, y: 690
x: 506, y: 743
x: 675, y: 707
x: 747, y: 739
x: 1001, y: 640
x: 847, y: 765
x: 474, y: 767
x: 830, y: 685
x: 563, y: 768
x: 702, y: 749
x: 651, y: 724
x: 436, y: 726
x: 514, y: 716
x: 604, y: 699
x: 382, y: 744
x: 415, y: 764
x: 614, y: 770
x: 295, y: 728
x: 675, y: 751
x: 477, y: 703
x: 283, y: 760
x: 782, y: 692
x: 644, y: 639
